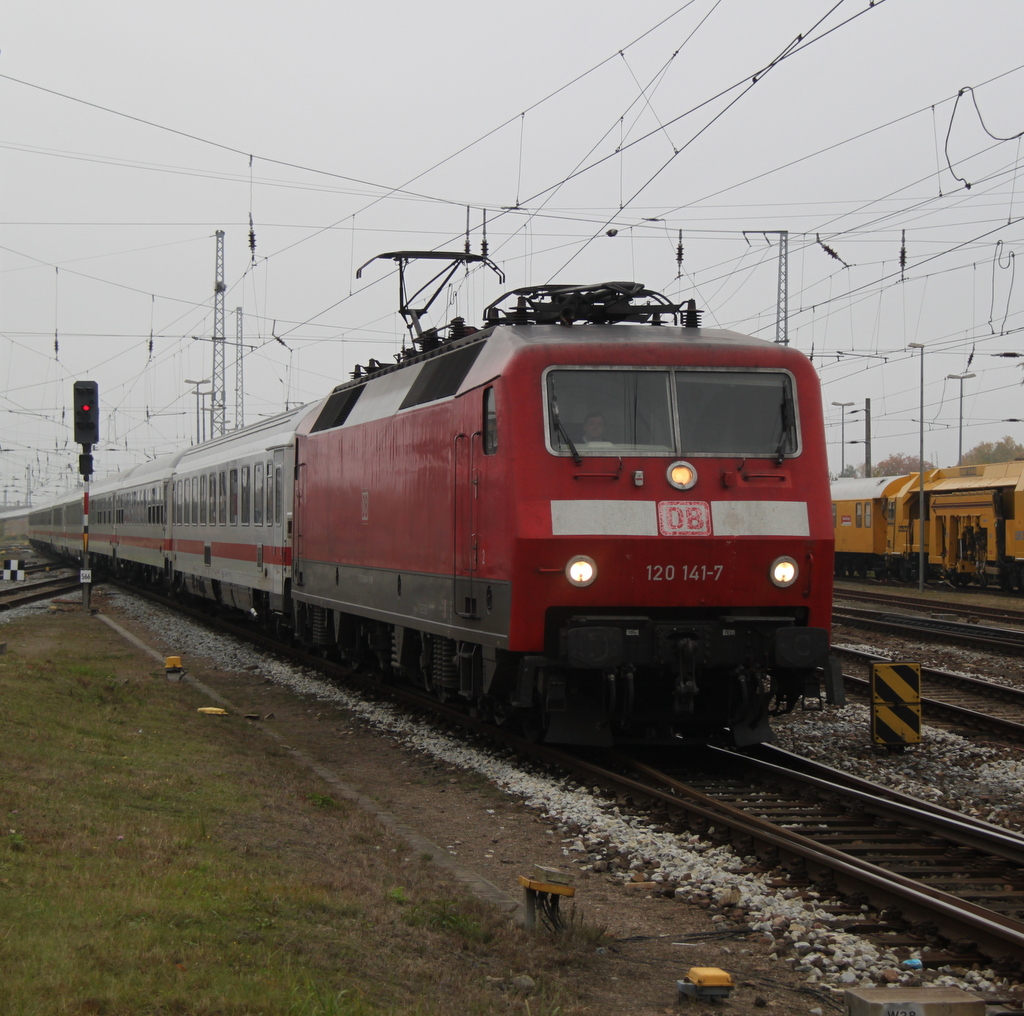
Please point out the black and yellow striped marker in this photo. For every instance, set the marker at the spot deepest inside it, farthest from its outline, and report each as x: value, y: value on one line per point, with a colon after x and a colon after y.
x: 896, y: 703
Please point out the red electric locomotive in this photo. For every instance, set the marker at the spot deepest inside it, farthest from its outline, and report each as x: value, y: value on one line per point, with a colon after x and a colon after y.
x: 592, y: 515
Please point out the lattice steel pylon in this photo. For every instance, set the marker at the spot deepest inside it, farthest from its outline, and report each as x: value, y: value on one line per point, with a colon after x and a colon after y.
x: 782, y: 305
x: 239, y: 388
x: 218, y: 401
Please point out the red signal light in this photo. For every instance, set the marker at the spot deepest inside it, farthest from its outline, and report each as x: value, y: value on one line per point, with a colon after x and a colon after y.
x: 87, y: 412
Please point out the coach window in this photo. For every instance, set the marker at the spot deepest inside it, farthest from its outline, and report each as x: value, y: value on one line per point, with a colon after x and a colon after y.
x: 257, y: 494
x: 490, y: 423
x: 222, y: 499
x: 195, y: 500
x: 186, y: 514
x: 202, y: 500
x: 233, y: 497
x: 833, y: 515
x: 270, y: 493
x: 213, y: 499
x: 867, y: 514
x: 246, y: 495
x: 177, y: 502
x: 858, y: 509
x: 277, y: 496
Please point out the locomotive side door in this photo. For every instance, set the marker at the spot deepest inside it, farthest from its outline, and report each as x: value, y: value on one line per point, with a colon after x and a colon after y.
x: 465, y: 493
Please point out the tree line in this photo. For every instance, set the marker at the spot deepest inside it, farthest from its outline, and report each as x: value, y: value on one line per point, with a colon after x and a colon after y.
x: 900, y: 464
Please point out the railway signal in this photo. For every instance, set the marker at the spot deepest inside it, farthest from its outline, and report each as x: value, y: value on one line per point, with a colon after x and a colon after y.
x: 87, y: 414
x: 86, y: 396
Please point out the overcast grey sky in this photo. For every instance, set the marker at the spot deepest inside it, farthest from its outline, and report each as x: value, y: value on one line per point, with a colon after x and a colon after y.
x: 131, y: 132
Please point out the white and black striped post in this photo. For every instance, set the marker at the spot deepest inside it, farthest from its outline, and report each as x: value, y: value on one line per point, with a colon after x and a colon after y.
x: 85, y: 575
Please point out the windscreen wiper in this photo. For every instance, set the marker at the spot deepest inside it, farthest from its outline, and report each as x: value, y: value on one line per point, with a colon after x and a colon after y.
x: 780, y: 450
x: 561, y: 430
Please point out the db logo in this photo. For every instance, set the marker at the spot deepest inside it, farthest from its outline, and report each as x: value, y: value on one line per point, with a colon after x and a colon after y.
x: 684, y: 518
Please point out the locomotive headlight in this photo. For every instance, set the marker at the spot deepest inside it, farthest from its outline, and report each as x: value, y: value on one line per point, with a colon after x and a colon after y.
x: 581, y: 571
x: 783, y: 572
x: 681, y: 475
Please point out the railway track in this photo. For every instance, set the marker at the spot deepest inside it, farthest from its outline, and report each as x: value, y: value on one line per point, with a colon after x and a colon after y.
x: 935, y: 866
x: 961, y: 700
x: 1006, y: 614
x: 1002, y: 640
x: 19, y: 593
x: 938, y: 868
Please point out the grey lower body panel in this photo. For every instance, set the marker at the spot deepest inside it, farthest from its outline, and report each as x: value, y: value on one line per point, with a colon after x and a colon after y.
x: 469, y: 609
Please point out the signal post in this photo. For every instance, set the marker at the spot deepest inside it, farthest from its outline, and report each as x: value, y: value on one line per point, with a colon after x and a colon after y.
x: 87, y: 433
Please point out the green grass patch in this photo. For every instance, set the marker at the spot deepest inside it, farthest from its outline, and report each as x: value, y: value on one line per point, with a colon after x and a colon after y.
x: 157, y: 861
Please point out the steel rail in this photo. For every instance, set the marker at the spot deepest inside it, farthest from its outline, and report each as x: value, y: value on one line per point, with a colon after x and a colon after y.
x: 918, y: 603
x: 11, y: 598
x: 1006, y: 640
x: 993, y: 932
x: 987, y: 721
x: 964, y: 830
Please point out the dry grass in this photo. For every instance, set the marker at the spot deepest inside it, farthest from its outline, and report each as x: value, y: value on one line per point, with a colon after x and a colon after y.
x: 157, y: 861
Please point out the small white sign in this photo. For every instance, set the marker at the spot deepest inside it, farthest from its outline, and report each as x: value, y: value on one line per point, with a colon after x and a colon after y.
x: 85, y: 575
x: 902, y: 1009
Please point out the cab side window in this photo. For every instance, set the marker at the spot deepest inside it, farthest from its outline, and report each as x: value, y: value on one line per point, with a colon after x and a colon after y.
x: 490, y: 423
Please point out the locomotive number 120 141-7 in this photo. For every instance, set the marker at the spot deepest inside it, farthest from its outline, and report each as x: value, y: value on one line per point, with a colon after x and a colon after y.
x: 687, y: 573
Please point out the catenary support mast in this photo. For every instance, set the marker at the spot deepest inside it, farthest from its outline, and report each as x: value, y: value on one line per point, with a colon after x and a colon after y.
x: 218, y: 406
x: 239, y: 386
x: 782, y: 303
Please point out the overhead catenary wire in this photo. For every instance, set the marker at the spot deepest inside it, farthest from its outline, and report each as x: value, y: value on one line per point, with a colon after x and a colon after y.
x: 342, y: 332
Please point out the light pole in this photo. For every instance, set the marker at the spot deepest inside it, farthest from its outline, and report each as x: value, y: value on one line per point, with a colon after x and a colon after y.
x: 842, y: 435
x: 205, y: 381
x: 960, y: 446
x: 920, y: 477
x: 867, y: 435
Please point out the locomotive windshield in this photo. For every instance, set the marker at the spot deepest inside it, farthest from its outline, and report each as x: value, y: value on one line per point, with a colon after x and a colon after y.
x: 613, y: 411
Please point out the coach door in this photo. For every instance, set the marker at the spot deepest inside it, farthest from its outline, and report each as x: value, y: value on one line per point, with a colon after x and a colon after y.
x: 282, y: 528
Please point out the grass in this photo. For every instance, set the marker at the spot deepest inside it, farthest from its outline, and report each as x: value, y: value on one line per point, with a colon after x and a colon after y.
x: 155, y: 861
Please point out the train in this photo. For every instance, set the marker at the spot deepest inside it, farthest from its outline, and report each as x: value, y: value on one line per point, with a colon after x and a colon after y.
x: 973, y: 525
x: 591, y: 517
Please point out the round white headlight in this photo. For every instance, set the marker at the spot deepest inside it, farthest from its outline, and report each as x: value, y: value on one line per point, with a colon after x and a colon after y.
x: 682, y: 475
x: 783, y: 572
x: 581, y: 570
